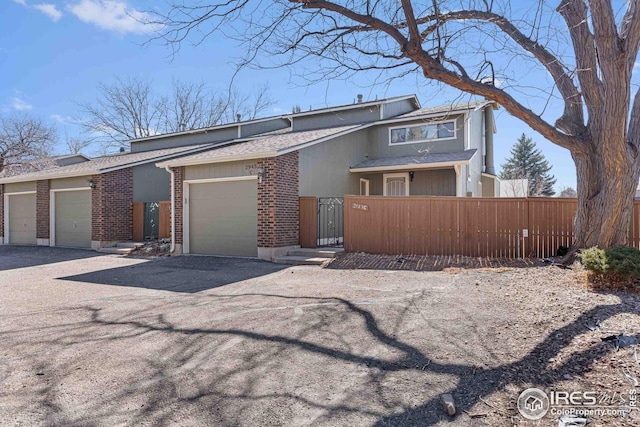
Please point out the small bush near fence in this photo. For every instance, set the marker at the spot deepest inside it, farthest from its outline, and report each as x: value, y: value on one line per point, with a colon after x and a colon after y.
x: 619, y: 265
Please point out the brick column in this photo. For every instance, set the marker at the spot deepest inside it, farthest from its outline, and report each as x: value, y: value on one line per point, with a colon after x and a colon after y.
x: 178, y: 196
x: 111, y: 207
x: 1, y: 213
x: 278, y: 203
x: 42, y: 212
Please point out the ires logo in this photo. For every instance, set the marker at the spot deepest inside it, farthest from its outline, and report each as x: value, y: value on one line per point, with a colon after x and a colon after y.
x: 574, y: 398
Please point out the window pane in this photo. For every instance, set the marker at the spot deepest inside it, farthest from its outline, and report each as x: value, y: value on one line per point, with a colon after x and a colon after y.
x: 415, y: 134
x: 398, y: 135
x: 446, y: 130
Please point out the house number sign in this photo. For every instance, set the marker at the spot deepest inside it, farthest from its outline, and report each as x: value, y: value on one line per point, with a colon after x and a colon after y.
x: 360, y: 206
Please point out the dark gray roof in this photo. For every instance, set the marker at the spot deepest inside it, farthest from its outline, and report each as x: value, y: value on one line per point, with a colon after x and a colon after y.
x: 104, y: 164
x: 424, y: 159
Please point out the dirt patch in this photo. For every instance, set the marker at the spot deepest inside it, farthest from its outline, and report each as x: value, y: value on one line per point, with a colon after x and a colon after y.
x: 360, y: 260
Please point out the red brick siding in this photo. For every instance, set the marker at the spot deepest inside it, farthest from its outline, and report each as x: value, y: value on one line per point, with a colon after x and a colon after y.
x: 278, y: 201
x: 42, y: 209
x: 111, y: 206
x: 1, y: 210
x: 179, y: 178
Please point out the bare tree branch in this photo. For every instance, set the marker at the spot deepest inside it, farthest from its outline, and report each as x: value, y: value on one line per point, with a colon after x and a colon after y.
x: 24, y: 141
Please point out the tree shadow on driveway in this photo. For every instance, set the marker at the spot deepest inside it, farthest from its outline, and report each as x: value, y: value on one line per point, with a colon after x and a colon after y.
x: 189, y: 371
x: 188, y: 274
x: 14, y: 256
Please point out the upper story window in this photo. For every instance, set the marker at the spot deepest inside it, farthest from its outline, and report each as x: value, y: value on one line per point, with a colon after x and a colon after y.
x: 421, y: 133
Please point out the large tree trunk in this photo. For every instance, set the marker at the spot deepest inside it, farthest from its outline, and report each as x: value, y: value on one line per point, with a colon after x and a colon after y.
x: 606, y: 189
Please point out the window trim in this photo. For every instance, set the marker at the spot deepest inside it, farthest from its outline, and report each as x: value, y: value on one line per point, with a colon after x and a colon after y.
x: 407, y: 185
x: 455, y: 132
x: 366, y: 181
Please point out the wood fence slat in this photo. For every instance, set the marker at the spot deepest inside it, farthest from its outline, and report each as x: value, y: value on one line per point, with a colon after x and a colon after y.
x: 308, y: 222
x: 138, y: 221
x: 164, y: 221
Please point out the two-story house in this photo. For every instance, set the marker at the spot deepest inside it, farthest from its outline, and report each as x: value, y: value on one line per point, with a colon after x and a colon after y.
x: 241, y: 198
x: 235, y: 188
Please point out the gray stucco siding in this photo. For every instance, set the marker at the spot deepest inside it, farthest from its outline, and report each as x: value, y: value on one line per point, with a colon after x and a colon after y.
x: 221, y: 170
x: 380, y: 148
x: 395, y: 108
x: 186, y: 140
x: 262, y: 127
x: 151, y: 184
x: 439, y: 182
x: 336, y: 118
x: 18, y: 187
x: 324, y: 167
x: 75, y: 182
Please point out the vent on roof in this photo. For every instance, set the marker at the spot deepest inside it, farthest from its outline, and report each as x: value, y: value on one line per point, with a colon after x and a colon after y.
x: 359, y: 98
x: 238, y: 117
x: 183, y: 127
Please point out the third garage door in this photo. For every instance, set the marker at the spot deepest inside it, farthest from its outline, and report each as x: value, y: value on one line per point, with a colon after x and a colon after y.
x: 22, y: 219
x: 223, y: 218
x: 73, y: 218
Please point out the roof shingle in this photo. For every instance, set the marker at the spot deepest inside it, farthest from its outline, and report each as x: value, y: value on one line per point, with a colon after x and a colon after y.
x: 459, y: 156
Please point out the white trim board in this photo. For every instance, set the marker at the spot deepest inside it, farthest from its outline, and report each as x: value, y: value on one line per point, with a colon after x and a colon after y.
x: 437, y: 165
x: 366, y: 181
x: 186, y: 203
x: 404, y: 175
x: 52, y: 211
x: 422, y: 141
x: 6, y: 239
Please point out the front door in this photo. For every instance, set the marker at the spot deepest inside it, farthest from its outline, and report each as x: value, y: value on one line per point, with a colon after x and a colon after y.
x: 396, y: 184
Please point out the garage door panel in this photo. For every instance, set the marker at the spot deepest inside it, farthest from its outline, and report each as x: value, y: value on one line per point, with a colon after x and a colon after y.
x: 22, y: 219
x: 213, y: 210
x: 73, y: 218
x: 223, y: 218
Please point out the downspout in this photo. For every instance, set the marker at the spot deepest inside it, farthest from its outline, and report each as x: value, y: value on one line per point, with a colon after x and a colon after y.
x: 173, y: 209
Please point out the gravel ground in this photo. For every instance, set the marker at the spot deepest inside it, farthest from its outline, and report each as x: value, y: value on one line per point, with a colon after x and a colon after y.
x: 192, y: 341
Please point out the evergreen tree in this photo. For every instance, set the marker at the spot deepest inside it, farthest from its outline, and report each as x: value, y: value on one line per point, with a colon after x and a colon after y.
x: 568, y: 192
x: 528, y: 162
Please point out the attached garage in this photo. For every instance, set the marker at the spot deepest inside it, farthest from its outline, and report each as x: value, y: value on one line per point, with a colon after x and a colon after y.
x: 222, y: 216
x: 20, y: 214
x: 71, y: 219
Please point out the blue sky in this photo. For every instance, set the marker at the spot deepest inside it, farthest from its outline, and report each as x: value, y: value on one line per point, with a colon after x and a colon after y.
x: 53, y: 55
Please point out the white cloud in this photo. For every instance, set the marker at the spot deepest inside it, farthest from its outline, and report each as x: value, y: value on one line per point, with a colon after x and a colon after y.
x: 112, y: 15
x: 50, y: 10
x: 23, y: 2
x: 20, y: 104
x: 66, y: 119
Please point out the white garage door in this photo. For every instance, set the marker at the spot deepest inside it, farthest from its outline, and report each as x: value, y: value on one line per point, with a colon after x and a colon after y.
x: 73, y: 218
x: 22, y: 219
x: 223, y: 218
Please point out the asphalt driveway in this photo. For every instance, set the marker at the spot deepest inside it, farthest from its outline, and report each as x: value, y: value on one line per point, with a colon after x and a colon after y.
x: 95, y: 340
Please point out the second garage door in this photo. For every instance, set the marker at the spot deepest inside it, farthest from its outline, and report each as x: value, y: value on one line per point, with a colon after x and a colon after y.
x: 73, y: 218
x: 223, y: 218
x: 22, y: 219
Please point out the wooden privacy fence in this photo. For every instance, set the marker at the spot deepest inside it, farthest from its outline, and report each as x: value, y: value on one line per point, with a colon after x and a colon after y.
x: 493, y: 227
x: 308, y: 222
x: 159, y: 222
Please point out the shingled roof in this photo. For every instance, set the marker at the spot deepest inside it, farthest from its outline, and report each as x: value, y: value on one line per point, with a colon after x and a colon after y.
x: 412, y: 161
x: 104, y: 164
x: 264, y: 145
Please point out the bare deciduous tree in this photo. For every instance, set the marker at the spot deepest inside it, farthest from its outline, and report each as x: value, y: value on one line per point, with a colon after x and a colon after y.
x: 129, y: 109
x: 24, y: 142
x: 584, y: 51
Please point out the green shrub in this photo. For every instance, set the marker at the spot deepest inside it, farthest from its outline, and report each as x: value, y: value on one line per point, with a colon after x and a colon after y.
x: 618, y: 262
